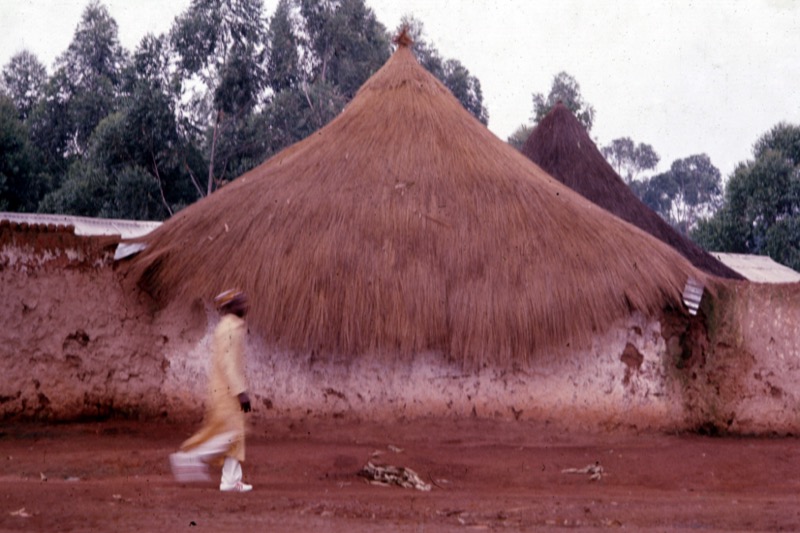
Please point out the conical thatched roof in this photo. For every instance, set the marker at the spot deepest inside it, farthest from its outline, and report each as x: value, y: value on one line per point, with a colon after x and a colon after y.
x: 562, y: 147
x: 405, y: 226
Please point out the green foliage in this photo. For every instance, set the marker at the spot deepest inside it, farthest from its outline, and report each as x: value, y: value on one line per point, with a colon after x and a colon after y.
x: 520, y: 136
x: 87, y: 107
x: 51, y: 127
x: 761, y: 209
x: 346, y: 43
x: 135, y: 196
x: 630, y: 159
x: 106, y: 183
x: 451, y: 72
x: 466, y: 88
x: 21, y: 183
x: 90, y: 74
x: 221, y: 47
x: 223, y: 43
x: 283, y: 65
x: 690, y: 190
x: 82, y: 91
x: 138, y: 145
x: 295, y: 114
x: 95, y: 51
x: 23, y: 79
x: 153, y: 138
x: 656, y: 194
x: 567, y: 90
x: 322, y: 52
x: 782, y: 138
x: 83, y: 192
x: 112, y: 179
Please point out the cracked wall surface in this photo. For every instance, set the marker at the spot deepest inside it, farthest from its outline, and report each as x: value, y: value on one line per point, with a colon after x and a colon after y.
x: 74, y: 344
x: 77, y: 343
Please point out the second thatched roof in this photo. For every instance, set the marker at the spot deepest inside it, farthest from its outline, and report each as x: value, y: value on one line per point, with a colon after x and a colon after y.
x: 562, y: 147
x: 405, y: 226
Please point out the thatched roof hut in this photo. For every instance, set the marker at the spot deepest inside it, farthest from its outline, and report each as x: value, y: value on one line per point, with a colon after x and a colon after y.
x: 562, y: 147
x: 406, y: 226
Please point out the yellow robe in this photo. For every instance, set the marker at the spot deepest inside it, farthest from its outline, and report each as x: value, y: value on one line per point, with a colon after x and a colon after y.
x: 226, y: 381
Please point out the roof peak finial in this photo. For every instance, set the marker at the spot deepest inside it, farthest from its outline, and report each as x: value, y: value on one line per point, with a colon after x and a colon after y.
x: 403, y: 39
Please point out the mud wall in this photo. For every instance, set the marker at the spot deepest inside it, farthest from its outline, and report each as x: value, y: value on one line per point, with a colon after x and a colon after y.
x: 742, y: 375
x: 78, y: 342
x: 74, y: 344
x: 619, y: 381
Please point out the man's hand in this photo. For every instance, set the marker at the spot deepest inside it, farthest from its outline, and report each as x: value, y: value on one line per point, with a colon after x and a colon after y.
x: 244, y: 401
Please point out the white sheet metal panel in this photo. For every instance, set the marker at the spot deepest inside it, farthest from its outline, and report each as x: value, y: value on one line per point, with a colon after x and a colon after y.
x: 758, y: 268
x: 127, y: 229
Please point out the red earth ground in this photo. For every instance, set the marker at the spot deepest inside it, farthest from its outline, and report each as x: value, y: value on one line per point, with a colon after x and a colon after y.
x: 485, y: 475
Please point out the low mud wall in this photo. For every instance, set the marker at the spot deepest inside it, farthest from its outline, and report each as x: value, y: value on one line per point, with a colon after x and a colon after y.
x: 78, y: 343
x: 73, y: 343
x: 742, y: 375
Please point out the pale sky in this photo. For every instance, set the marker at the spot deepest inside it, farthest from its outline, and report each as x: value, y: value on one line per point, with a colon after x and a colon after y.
x: 687, y: 77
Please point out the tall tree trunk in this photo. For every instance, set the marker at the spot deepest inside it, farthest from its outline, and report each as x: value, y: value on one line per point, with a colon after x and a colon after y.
x: 160, y: 185
x: 213, y: 153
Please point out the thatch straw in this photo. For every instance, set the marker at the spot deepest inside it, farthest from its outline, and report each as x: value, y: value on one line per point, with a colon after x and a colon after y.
x: 404, y: 226
x: 562, y: 147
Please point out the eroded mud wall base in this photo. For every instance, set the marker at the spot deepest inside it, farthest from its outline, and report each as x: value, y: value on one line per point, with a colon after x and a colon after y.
x: 618, y: 382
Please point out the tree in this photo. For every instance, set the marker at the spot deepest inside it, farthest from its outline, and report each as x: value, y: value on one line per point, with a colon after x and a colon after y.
x: 283, y: 64
x: 51, y: 128
x: 137, y: 164
x: 629, y: 159
x: 466, y: 88
x: 106, y: 182
x: 152, y: 137
x: 83, y: 192
x: 135, y: 196
x: 92, y: 73
x: 23, y: 79
x: 520, y: 136
x: 451, y: 72
x: 346, y: 42
x: 761, y: 209
x: 565, y: 89
x: 784, y: 139
x: 222, y: 51
x: 691, y: 189
x: 82, y: 91
x: 321, y: 52
x: 21, y: 183
x: 292, y: 115
x: 427, y: 54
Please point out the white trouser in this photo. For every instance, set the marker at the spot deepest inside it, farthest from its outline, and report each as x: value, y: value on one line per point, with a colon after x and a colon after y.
x: 214, y: 446
x: 231, y: 472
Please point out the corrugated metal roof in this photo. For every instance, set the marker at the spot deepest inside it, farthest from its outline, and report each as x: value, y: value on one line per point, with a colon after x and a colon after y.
x: 759, y: 268
x: 127, y: 229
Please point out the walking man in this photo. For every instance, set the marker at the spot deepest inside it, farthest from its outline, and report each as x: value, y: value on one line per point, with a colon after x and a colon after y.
x: 221, y: 439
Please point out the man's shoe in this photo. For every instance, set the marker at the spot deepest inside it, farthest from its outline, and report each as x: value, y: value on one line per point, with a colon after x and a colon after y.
x: 236, y: 487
